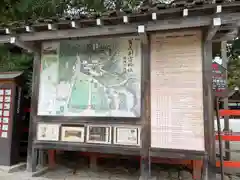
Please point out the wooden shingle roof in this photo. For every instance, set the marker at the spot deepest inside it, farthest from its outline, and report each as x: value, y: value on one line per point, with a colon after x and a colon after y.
x: 112, y: 17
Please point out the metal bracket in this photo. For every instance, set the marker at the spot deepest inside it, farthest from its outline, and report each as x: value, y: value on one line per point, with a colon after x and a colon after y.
x: 29, y: 28
x: 216, y: 24
x: 142, y: 33
x: 51, y: 27
x: 74, y: 24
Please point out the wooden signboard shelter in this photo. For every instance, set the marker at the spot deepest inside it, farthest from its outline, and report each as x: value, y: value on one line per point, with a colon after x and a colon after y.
x: 159, y: 44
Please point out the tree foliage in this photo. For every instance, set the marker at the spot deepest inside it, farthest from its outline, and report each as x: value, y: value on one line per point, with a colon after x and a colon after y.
x: 234, y: 64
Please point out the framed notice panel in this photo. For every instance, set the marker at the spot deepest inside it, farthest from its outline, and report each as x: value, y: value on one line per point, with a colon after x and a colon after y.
x: 48, y: 132
x: 99, y: 134
x: 127, y: 135
x: 72, y: 134
x: 177, y: 91
x: 96, y: 78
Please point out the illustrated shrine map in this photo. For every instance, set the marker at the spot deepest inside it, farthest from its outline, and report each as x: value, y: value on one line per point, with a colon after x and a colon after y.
x: 100, y: 77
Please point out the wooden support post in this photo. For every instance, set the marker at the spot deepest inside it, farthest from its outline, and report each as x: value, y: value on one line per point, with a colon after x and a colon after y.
x: 52, y: 159
x: 225, y: 101
x: 209, y: 133
x: 208, y: 103
x: 93, y: 161
x: 197, y: 169
x: 145, y: 107
x: 205, y: 168
x: 41, y: 158
x: 31, y: 152
x: 34, y: 159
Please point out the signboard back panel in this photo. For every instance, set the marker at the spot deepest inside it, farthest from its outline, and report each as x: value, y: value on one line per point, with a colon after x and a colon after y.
x: 176, y: 91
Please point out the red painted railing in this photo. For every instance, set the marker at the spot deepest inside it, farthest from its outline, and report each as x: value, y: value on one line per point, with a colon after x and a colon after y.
x: 229, y: 136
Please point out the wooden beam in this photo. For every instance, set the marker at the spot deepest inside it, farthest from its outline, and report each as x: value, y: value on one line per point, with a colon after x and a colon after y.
x: 158, y: 25
x: 227, y: 36
x: 24, y: 45
x: 116, y: 30
x: 4, y: 39
x: 216, y: 23
x: 228, y: 27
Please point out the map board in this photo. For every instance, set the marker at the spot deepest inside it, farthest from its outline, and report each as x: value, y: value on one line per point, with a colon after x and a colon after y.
x: 176, y: 91
x: 96, y: 78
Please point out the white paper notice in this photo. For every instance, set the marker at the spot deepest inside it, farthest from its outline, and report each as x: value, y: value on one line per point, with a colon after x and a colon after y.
x: 176, y: 91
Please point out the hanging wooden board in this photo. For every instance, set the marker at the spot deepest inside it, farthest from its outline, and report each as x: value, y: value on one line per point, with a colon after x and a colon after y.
x: 176, y: 91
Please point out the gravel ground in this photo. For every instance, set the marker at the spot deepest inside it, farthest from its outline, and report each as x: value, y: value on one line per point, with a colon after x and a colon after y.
x: 112, y: 169
x: 63, y: 173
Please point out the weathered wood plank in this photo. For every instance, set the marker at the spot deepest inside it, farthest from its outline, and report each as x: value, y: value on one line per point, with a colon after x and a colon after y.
x: 98, y: 148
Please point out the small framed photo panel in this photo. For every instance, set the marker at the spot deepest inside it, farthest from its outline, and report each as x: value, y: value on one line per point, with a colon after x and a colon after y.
x: 100, y: 134
x: 127, y: 135
x: 72, y: 134
x: 48, y: 132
